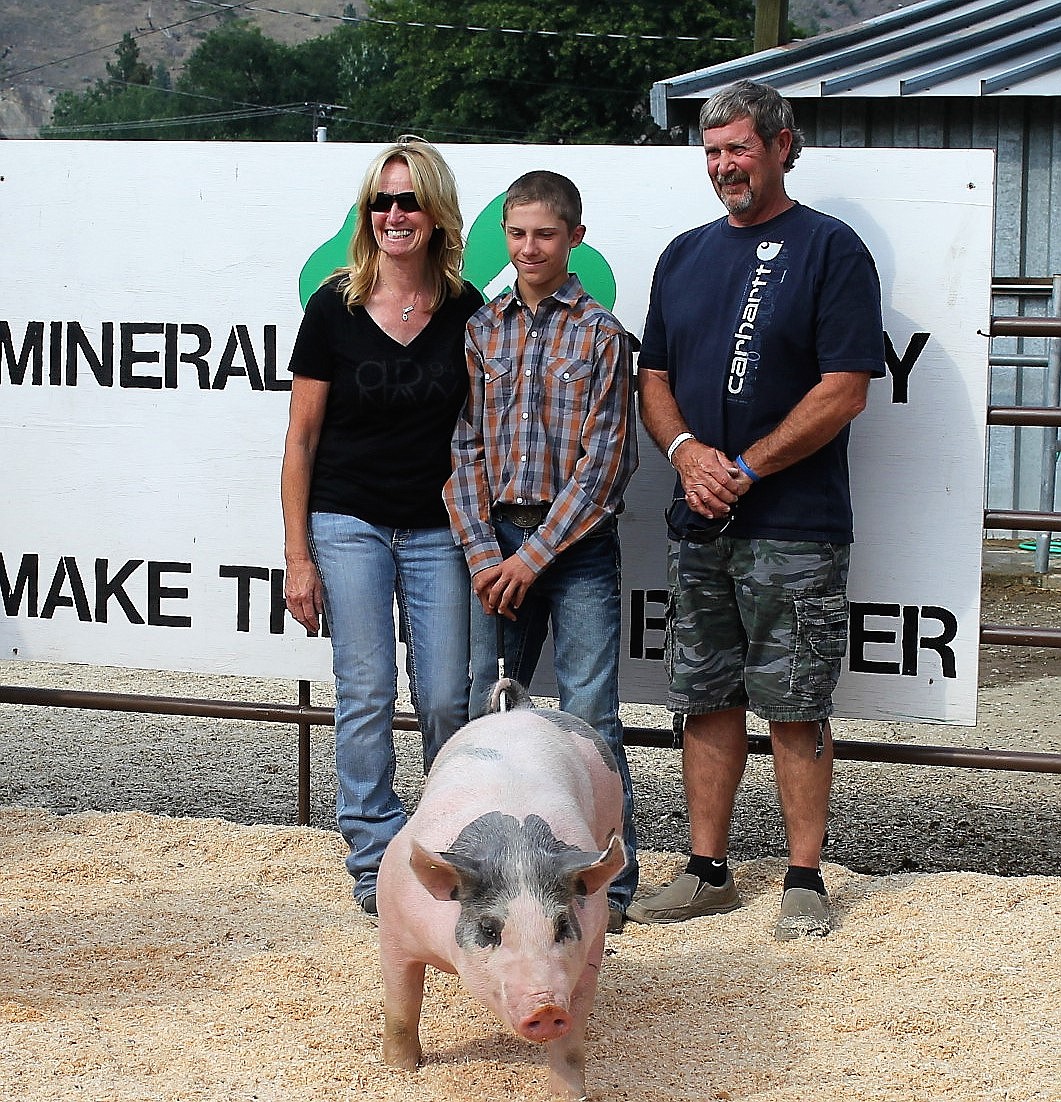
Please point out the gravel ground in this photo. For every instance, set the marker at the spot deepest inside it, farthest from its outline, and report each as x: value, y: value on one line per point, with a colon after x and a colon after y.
x: 885, y: 818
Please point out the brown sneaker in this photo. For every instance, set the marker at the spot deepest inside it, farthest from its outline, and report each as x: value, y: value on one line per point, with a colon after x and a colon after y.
x: 803, y: 913
x: 685, y: 897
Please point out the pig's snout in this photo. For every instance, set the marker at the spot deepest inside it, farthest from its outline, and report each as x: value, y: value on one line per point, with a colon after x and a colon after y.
x: 547, y: 1023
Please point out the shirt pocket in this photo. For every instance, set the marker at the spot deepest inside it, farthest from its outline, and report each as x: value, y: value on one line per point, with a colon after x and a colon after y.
x: 567, y: 384
x: 499, y: 384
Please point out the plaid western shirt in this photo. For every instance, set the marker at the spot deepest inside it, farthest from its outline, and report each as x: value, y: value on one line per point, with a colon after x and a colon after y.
x: 549, y: 418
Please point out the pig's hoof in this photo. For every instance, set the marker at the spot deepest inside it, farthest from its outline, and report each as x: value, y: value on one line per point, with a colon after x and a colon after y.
x: 559, y: 1088
x: 404, y: 1058
x: 401, y: 1048
x: 409, y: 1064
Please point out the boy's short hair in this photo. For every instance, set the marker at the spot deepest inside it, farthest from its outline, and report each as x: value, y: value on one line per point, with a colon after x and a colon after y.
x: 550, y: 189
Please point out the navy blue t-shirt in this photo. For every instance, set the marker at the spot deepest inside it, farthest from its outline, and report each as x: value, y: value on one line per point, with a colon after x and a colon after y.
x: 745, y: 321
x: 384, y: 449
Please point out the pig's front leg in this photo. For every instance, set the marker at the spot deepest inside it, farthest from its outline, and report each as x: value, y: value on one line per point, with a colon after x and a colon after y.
x: 567, y: 1055
x: 567, y: 1064
x: 403, y: 995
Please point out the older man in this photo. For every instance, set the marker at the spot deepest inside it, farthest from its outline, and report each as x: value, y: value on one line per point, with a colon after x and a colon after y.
x: 763, y: 331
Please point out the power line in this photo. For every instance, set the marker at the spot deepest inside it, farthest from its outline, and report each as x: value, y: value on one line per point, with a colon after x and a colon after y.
x: 183, y: 120
x: 215, y: 7
x: 316, y: 16
x: 245, y: 111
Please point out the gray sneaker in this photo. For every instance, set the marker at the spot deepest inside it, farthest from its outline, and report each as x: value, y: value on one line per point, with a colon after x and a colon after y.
x: 616, y: 917
x: 803, y: 913
x: 685, y: 897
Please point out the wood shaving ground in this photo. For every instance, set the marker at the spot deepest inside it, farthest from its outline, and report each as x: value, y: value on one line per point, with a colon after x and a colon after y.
x: 150, y: 959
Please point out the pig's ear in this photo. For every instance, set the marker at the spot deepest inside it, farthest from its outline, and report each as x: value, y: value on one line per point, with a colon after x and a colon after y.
x: 596, y: 871
x: 442, y: 875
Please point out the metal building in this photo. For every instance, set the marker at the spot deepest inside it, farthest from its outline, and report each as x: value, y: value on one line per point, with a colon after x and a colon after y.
x: 938, y: 75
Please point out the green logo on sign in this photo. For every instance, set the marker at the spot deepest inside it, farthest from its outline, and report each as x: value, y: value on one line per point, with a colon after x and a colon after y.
x: 326, y: 258
x: 485, y: 259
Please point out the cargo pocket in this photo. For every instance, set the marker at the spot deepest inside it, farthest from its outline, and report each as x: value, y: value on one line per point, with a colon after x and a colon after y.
x: 820, y: 645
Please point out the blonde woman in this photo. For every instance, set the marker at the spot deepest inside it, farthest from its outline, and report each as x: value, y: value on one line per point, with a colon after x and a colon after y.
x: 379, y: 379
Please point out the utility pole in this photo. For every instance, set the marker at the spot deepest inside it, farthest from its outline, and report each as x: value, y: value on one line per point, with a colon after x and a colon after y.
x: 771, y: 24
x: 322, y: 112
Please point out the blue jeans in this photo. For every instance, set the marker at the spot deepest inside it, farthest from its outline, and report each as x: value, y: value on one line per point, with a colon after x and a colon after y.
x: 364, y: 568
x: 578, y: 593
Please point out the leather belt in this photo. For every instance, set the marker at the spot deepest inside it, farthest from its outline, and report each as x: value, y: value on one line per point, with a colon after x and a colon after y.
x: 524, y: 516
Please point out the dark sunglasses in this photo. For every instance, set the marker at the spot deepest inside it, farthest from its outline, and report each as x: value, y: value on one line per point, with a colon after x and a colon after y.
x: 406, y: 200
x: 685, y: 525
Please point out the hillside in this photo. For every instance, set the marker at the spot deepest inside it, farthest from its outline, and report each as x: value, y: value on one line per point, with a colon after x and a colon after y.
x: 819, y: 16
x: 61, y: 45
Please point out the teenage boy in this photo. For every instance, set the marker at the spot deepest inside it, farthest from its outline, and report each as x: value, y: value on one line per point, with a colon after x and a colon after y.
x: 542, y: 455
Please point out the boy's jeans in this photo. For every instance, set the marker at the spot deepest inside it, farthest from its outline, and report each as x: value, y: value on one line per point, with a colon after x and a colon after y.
x: 579, y: 595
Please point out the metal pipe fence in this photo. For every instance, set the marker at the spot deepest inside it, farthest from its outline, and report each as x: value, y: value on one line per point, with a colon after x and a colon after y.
x: 304, y: 716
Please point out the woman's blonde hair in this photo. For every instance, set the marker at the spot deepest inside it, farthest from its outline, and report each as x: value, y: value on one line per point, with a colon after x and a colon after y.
x: 436, y: 191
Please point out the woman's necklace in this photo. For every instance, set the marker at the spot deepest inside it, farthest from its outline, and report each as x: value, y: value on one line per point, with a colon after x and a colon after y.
x: 407, y: 311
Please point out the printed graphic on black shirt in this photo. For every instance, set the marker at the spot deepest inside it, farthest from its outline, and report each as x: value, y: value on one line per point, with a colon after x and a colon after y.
x: 757, y: 307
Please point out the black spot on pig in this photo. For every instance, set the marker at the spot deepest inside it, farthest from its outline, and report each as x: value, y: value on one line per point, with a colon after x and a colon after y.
x: 567, y: 722
x: 498, y: 858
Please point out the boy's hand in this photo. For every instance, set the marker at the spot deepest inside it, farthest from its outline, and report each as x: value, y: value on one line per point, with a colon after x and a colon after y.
x: 501, y: 589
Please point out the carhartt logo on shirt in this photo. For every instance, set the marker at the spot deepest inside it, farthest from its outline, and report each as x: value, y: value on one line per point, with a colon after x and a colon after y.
x: 744, y: 353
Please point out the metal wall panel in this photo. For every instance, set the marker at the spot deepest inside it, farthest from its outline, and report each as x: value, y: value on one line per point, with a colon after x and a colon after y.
x: 1024, y: 132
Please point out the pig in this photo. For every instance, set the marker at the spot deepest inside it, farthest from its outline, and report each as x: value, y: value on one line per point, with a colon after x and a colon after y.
x: 500, y: 875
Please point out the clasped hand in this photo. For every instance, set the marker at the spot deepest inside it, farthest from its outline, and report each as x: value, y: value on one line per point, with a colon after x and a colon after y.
x: 711, y: 480
x: 501, y: 589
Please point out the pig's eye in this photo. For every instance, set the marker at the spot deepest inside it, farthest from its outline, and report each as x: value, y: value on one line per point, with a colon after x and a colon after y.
x: 565, y: 931
x: 488, y: 932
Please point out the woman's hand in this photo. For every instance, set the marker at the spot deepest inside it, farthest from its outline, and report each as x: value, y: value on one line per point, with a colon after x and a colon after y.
x: 304, y: 594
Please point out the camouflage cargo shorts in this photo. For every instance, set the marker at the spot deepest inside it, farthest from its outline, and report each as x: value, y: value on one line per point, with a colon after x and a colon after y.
x: 756, y: 623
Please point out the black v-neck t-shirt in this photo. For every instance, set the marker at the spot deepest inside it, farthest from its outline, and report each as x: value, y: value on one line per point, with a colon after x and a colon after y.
x: 384, y: 449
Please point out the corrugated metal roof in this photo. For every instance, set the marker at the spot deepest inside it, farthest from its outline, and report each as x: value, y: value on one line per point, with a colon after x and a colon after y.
x: 955, y: 48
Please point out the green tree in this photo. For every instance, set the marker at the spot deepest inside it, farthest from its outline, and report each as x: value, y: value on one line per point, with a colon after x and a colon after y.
x: 127, y: 68
x: 587, y: 82
x: 237, y: 85
x: 239, y: 71
x: 128, y: 103
x: 562, y: 72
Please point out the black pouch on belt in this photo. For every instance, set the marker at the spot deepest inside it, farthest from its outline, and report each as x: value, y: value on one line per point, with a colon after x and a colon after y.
x: 684, y: 524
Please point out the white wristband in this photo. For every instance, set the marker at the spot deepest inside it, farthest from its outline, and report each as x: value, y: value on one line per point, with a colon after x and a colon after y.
x: 679, y: 439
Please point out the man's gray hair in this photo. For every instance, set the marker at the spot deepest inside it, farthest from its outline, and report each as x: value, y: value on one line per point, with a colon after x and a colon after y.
x: 769, y: 111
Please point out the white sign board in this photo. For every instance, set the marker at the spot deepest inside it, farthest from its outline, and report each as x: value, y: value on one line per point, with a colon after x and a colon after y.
x: 150, y: 299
